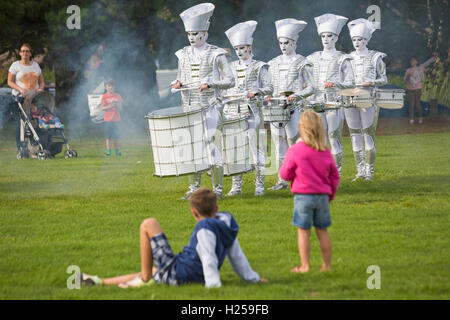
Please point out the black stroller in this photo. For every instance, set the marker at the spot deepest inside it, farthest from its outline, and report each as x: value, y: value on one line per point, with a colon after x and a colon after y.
x: 37, y: 140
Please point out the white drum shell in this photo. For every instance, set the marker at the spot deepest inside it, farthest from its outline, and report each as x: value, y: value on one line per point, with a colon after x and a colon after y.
x: 235, y: 146
x: 178, y: 141
x: 363, y: 101
x: 390, y: 98
x: 274, y: 112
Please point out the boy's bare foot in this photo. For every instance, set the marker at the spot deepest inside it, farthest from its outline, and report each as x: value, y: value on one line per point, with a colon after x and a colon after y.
x: 300, y: 269
x: 325, y: 268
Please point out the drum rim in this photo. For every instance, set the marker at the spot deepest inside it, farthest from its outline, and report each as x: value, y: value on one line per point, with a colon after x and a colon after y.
x: 234, y: 119
x: 166, y: 116
x: 180, y: 175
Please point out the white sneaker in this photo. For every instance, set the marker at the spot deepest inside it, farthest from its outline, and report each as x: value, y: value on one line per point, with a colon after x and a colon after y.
x: 136, y: 283
x: 411, y: 121
x: 88, y: 280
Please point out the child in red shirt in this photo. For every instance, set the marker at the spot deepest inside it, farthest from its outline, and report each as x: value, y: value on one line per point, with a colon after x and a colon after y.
x: 315, y: 178
x: 112, y: 104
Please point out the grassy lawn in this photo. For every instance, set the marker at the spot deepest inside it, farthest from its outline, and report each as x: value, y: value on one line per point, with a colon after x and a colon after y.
x: 87, y: 211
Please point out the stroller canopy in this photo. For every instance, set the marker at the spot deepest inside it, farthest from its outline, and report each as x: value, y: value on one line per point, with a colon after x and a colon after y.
x: 40, y: 99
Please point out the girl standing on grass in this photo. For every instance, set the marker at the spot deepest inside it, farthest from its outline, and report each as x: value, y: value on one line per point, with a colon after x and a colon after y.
x: 315, y: 179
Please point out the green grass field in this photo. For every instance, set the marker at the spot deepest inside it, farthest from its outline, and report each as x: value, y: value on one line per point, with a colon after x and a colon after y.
x: 87, y: 211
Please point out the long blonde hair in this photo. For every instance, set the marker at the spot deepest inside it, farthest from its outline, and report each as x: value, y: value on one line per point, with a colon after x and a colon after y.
x: 311, y: 130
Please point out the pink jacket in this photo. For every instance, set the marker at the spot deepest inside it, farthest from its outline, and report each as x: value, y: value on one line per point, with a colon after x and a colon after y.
x: 311, y: 171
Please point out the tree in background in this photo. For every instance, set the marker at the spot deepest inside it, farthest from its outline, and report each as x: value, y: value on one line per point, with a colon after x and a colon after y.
x: 139, y: 34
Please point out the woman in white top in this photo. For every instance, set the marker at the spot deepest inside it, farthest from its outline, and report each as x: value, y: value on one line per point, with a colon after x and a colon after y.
x: 25, y: 77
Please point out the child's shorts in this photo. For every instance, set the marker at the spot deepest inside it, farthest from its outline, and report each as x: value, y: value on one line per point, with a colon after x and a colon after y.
x: 311, y: 210
x: 112, y: 130
x: 163, y: 259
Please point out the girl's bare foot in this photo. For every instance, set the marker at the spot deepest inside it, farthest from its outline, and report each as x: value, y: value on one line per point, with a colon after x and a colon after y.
x: 325, y: 268
x: 300, y: 269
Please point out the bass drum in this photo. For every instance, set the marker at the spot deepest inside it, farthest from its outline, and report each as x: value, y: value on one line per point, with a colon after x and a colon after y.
x: 178, y: 141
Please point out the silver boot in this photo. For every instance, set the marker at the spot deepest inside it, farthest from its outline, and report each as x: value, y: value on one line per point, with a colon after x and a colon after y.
x: 338, y: 159
x: 260, y: 177
x: 195, y: 180
x: 370, y: 156
x: 217, y: 180
x: 281, y: 184
x: 360, y: 165
x: 236, y: 186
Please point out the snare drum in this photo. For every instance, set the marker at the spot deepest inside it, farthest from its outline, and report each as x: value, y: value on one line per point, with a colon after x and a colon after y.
x: 235, y: 146
x: 315, y: 105
x: 178, y: 141
x: 390, y: 98
x: 364, y: 101
x: 274, y: 112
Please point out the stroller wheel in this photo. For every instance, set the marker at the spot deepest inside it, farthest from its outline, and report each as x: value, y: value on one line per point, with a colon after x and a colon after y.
x: 22, y: 153
x: 43, y: 155
x: 70, y: 154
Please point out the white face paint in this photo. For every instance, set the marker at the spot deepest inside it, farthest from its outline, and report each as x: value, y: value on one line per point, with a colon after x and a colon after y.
x: 287, y: 46
x: 197, y: 39
x: 243, y: 52
x: 328, y: 40
x: 359, y: 43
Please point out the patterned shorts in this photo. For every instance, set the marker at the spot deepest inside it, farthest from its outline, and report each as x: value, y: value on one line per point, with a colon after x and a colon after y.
x: 163, y: 259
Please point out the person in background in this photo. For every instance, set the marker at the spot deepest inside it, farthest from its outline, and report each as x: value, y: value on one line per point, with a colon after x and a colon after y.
x: 414, y: 78
x: 289, y: 72
x: 112, y: 104
x: 332, y: 70
x: 253, y: 82
x: 370, y: 72
x: 204, y: 68
x: 24, y: 77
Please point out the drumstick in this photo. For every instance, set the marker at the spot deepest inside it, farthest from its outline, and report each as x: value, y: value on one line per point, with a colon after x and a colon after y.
x: 189, y: 88
x: 233, y: 100
x: 235, y: 96
x: 186, y: 84
x: 279, y: 99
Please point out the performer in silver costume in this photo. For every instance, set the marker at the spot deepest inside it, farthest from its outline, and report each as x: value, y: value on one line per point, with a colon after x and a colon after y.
x: 332, y: 71
x: 289, y: 72
x: 370, y: 72
x: 204, y: 68
x: 252, y: 84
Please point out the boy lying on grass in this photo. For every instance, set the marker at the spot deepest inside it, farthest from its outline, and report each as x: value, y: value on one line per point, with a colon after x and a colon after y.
x: 213, y: 239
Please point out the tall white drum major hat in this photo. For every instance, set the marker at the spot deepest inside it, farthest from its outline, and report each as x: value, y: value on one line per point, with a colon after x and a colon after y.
x: 196, y: 18
x: 242, y: 33
x: 361, y: 28
x: 289, y: 28
x: 329, y: 22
